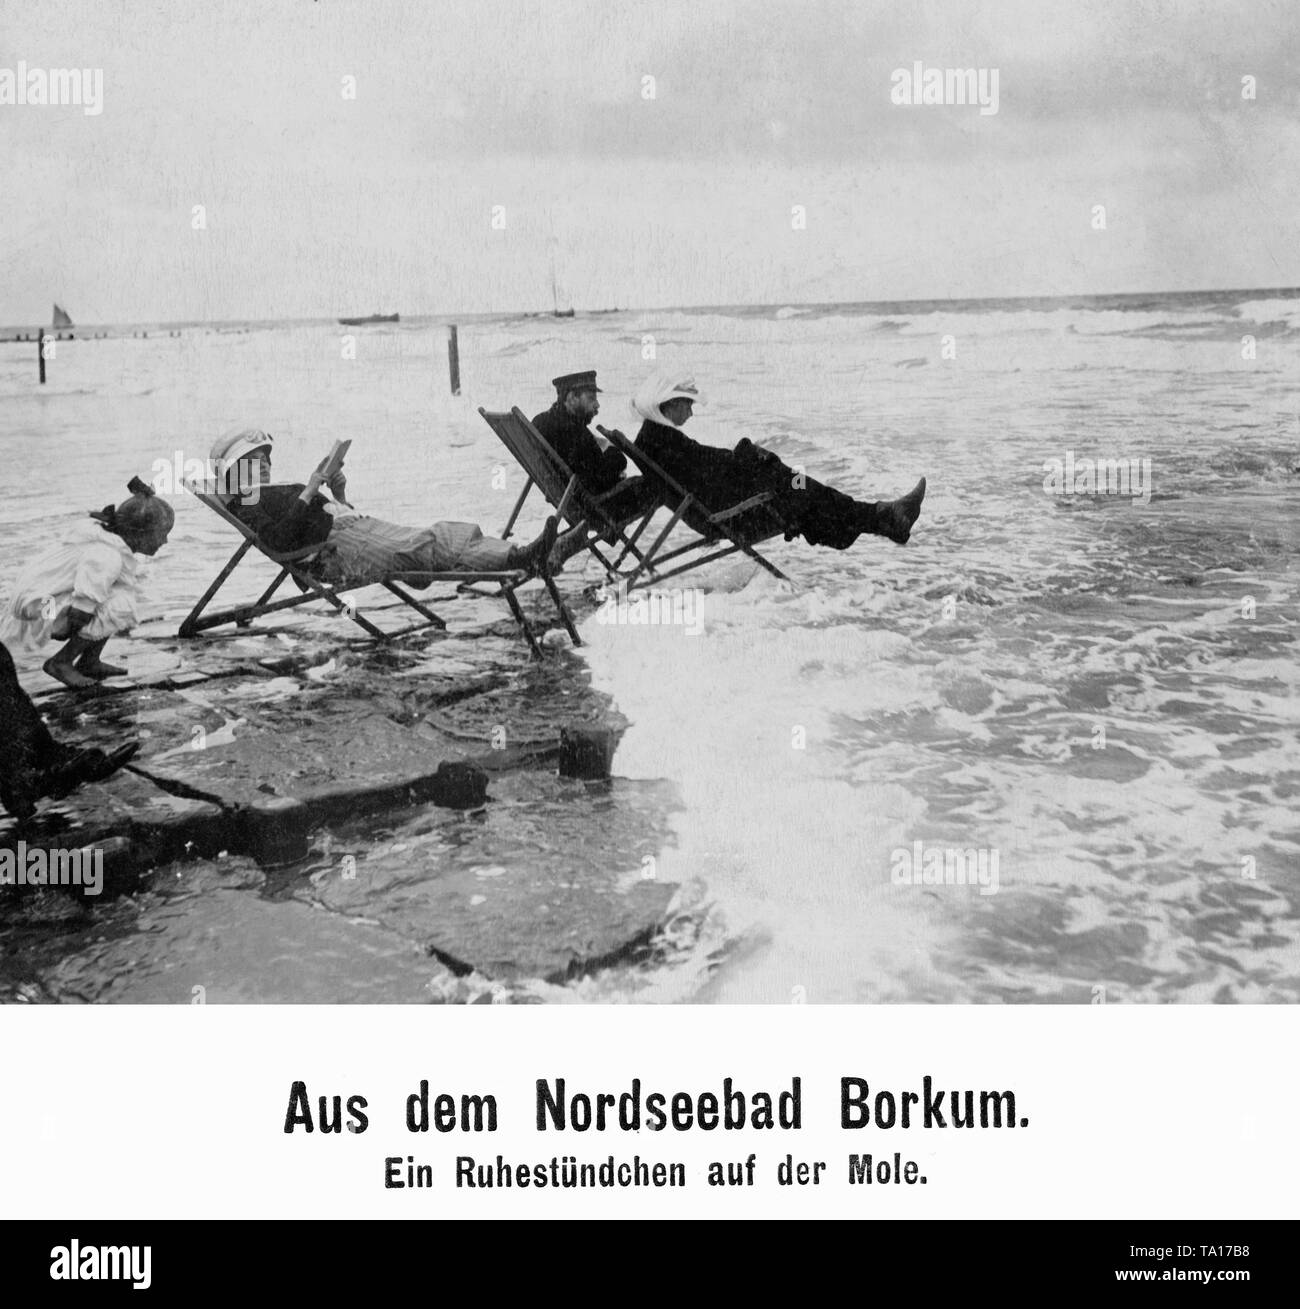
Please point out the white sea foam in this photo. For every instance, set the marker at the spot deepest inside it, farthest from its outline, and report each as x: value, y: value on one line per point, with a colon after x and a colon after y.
x: 949, y: 692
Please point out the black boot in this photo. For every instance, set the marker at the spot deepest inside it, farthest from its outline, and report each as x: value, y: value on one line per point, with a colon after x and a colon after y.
x: 77, y: 767
x: 18, y: 794
x: 65, y: 769
x: 894, y: 518
x: 534, y: 556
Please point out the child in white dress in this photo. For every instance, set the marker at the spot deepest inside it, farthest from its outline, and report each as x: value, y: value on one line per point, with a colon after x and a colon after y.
x: 85, y: 591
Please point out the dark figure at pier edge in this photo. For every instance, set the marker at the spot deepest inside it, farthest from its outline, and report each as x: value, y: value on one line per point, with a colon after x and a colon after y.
x: 32, y: 763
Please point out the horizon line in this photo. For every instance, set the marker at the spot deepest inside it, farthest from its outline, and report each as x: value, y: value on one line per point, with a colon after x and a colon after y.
x: 688, y: 308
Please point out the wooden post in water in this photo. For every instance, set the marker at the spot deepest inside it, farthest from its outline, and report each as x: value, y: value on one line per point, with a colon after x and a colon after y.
x: 40, y: 353
x: 586, y: 751
x: 453, y: 360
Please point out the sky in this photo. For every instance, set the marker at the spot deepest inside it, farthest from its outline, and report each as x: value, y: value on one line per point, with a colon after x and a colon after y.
x: 317, y: 204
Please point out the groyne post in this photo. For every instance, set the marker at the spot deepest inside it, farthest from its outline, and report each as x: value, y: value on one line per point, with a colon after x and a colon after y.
x: 586, y: 752
x: 40, y: 353
x: 453, y: 360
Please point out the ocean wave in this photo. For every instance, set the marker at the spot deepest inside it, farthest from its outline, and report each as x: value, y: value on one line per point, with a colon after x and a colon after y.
x: 827, y: 326
x: 1271, y: 311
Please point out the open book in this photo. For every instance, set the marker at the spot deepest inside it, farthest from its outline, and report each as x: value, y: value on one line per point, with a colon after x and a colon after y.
x: 329, y: 466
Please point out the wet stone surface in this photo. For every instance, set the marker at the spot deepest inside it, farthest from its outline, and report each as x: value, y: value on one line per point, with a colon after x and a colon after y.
x: 316, y: 821
x: 555, y: 879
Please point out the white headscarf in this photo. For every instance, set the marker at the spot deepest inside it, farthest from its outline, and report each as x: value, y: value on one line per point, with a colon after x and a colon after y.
x: 228, y: 449
x: 661, y: 387
x: 231, y: 447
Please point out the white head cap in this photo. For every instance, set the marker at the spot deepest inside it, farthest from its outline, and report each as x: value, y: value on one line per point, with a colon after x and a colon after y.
x: 237, y: 443
x: 659, y: 388
x: 229, y: 449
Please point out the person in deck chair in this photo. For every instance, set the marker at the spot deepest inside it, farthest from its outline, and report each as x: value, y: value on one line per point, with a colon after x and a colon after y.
x: 720, y: 478
x: 599, y: 466
x: 294, y: 515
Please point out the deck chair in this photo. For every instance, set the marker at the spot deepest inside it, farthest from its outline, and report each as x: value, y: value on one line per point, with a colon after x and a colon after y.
x: 681, y: 501
x: 561, y: 489
x: 293, y: 564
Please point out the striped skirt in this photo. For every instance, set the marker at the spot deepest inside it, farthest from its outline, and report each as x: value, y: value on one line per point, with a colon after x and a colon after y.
x: 363, y: 549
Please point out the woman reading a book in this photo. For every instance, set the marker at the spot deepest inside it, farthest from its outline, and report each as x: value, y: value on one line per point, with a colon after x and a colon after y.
x: 357, y: 548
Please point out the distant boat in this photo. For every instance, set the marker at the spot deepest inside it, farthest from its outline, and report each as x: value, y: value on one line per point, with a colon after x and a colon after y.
x: 61, y: 319
x: 370, y: 318
x: 556, y: 311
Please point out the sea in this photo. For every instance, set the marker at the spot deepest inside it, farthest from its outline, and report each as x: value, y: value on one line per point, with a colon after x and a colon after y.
x: 1046, y: 752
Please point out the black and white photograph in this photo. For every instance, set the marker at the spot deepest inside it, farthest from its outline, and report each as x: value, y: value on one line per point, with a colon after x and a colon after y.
x: 751, y: 542
x: 714, y: 502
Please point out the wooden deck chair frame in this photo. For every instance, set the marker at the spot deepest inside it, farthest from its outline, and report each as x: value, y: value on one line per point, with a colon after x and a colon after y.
x: 562, y: 490
x: 650, y: 569
x: 292, y: 564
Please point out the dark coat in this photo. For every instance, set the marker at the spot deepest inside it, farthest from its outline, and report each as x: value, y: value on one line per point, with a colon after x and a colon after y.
x: 281, y: 519
x: 32, y: 763
x: 721, y: 478
x: 26, y: 746
x: 715, y: 477
x: 598, y: 469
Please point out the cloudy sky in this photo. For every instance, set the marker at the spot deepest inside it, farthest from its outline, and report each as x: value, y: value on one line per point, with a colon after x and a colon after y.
x: 317, y: 204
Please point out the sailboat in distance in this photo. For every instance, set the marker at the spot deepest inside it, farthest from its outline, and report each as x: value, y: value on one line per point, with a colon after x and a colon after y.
x: 556, y: 311
x: 61, y: 318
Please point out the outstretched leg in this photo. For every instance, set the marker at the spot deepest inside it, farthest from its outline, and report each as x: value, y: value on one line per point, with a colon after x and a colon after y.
x: 821, y: 514
x: 572, y: 542
x: 532, y: 556
x: 894, y: 518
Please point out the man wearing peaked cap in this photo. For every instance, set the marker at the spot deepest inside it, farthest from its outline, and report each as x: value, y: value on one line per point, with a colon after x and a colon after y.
x: 597, y: 465
x: 575, y: 382
x: 565, y: 428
